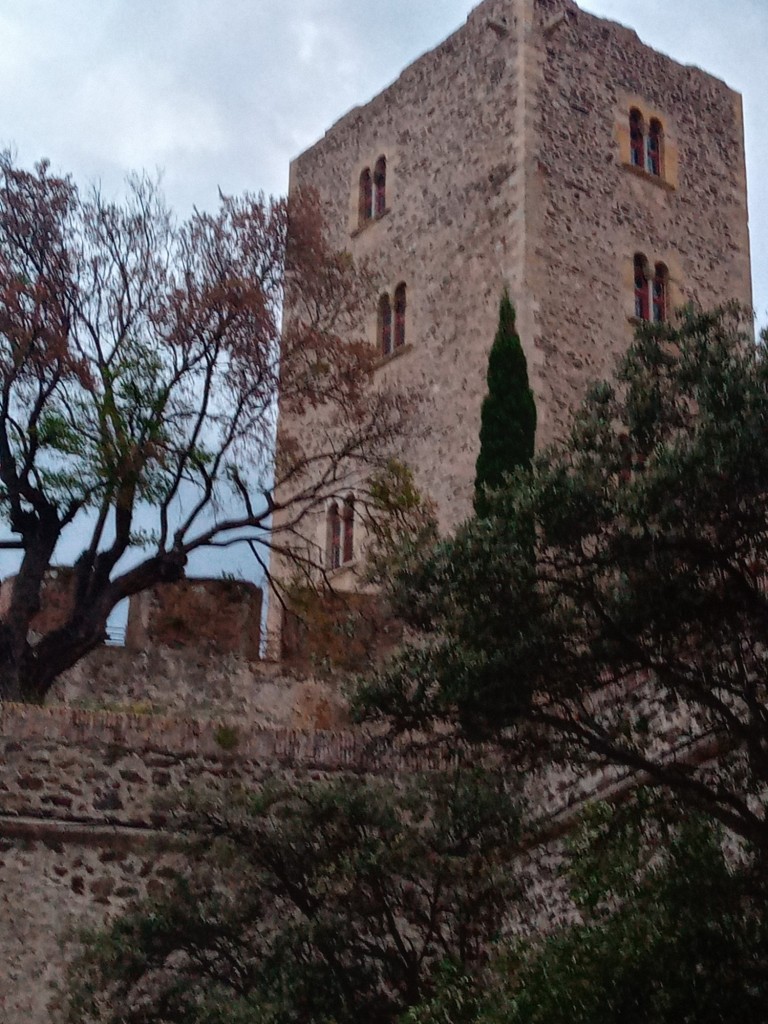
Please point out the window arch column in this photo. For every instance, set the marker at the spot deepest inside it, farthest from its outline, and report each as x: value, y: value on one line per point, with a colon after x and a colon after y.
x: 348, y: 529
x: 334, y: 538
x: 651, y: 290
x: 384, y: 325
x: 400, y: 306
x: 380, y: 187
x: 642, y: 294
x: 636, y: 138
x: 653, y: 149
x: 365, y: 198
x: 660, y: 293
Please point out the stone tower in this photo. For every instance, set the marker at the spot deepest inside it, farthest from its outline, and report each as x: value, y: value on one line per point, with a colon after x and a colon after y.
x: 550, y: 151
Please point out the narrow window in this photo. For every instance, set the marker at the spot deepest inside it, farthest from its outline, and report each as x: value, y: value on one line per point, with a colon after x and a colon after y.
x: 653, y: 151
x: 334, y: 537
x: 366, y: 197
x: 348, y: 521
x: 385, y: 325
x: 642, y: 310
x: 636, y: 138
x: 380, y: 185
x: 400, y: 315
x: 659, y: 288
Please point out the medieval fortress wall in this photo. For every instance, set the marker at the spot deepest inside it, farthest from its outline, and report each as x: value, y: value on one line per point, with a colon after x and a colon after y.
x: 508, y: 164
x: 84, y: 797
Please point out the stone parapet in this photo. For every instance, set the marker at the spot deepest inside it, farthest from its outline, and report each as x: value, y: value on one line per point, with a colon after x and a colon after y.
x: 215, y: 615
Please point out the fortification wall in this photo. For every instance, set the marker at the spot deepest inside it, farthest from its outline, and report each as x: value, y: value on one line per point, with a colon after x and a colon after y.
x: 449, y: 130
x: 86, y: 798
x: 84, y: 794
x: 80, y: 803
x: 508, y: 163
x: 167, y: 681
x: 213, y: 615
x: 590, y: 210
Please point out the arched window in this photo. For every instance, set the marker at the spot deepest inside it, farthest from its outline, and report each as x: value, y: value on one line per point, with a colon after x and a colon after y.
x: 636, y: 138
x: 400, y: 315
x: 642, y: 309
x: 659, y: 289
x: 348, y: 531
x: 380, y: 186
x: 653, y: 149
x: 366, y: 197
x: 385, y: 325
x: 334, y: 537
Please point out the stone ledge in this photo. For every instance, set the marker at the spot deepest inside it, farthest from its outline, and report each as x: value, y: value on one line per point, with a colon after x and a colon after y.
x: 82, y: 833
x: 190, y: 737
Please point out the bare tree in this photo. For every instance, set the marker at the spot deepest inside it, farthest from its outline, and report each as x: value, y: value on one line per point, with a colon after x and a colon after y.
x: 139, y: 365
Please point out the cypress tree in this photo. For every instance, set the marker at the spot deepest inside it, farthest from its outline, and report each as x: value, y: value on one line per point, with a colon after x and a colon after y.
x: 508, y: 417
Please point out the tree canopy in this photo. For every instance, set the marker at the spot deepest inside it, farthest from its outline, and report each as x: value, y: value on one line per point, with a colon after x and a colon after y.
x: 316, y: 902
x: 508, y: 414
x: 669, y: 929
x: 634, y: 633
x: 327, y: 901
x: 139, y: 366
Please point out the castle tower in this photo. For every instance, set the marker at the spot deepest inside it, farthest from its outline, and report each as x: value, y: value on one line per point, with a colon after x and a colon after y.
x: 545, y: 149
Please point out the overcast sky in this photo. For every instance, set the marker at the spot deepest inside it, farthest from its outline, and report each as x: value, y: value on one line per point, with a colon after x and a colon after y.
x: 223, y: 93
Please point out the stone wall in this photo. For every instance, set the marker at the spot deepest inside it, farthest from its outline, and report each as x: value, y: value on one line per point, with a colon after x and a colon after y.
x: 208, y: 616
x: 212, y: 615
x: 337, y: 630
x: 55, y: 599
x: 507, y: 165
x: 589, y: 210
x: 79, y: 810
x: 164, y: 681
x: 84, y: 796
x: 81, y: 803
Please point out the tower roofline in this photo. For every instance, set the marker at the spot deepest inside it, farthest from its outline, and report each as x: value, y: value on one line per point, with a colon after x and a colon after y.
x: 490, y: 9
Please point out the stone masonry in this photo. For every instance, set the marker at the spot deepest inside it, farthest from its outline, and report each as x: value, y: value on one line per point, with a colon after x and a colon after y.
x: 508, y: 164
x: 82, y: 809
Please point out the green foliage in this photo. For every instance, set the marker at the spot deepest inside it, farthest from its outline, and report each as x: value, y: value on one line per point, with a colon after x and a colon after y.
x: 227, y: 737
x: 670, y: 932
x: 401, y: 523
x: 456, y: 999
x: 318, y: 902
x: 621, y: 582
x: 508, y: 415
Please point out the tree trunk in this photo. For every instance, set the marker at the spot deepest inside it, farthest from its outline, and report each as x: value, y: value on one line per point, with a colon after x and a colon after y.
x: 29, y: 671
x: 10, y: 670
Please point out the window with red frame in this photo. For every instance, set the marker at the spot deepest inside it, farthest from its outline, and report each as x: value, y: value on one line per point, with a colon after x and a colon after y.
x: 334, y: 536
x: 636, y: 138
x: 659, y: 289
x: 366, y: 197
x: 653, y: 149
x: 348, y: 531
x: 400, y: 315
x: 380, y: 186
x: 642, y: 305
x: 385, y: 325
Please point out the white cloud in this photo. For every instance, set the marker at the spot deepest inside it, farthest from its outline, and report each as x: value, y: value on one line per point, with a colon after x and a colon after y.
x: 226, y: 94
